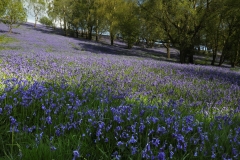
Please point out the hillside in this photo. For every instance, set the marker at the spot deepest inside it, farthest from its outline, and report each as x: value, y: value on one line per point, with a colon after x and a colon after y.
x: 66, y: 98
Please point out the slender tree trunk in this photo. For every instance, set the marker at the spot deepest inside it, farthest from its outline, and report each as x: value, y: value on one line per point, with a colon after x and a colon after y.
x: 76, y: 33
x: 90, y: 33
x: 182, y: 56
x: 64, y: 22
x: 65, y: 26
x: 36, y: 19
x: 111, y: 37
x: 168, y: 51
x: 190, y: 58
x: 167, y: 46
x: 225, y: 51
x: 190, y: 51
x: 97, y: 31
x: 10, y: 29
x: 82, y: 35
x: 222, y: 58
x: 215, y: 49
x: 213, y: 59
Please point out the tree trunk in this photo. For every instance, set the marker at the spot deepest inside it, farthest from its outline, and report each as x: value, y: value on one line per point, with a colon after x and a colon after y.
x: 222, y: 58
x: 76, y: 33
x: 182, y: 56
x: 82, y: 34
x: 167, y: 46
x: 112, y: 41
x: 90, y: 33
x: 65, y: 26
x: 190, y: 58
x: 190, y: 54
x: 232, y: 64
x: 168, y: 51
x: 213, y: 58
x: 187, y: 52
x: 112, y: 37
x: 97, y: 31
x: 225, y: 51
x: 10, y: 29
x: 35, y: 24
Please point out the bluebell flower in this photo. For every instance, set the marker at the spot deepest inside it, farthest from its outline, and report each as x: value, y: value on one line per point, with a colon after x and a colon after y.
x: 117, y: 119
x: 132, y: 140
x: 133, y: 150
x: 99, y: 132
x: 75, y: 154
x: 155, y: 142
x: 213, y: 155
x: 124, y: 135
x: 161, y: 129
x: 13, y: 121
x: 120, y: 143
x: 116, y: 156
x: 133, y: 127
x: 8, y: 108
x: 196, y: 152
x: 101, y: 124
x: 161, y: 155
x: 171, y: 154
x: 141, y: 127
x: 49, y: 120
x: 53, y: 148
x: 43, y: 107
x: 235, y: 152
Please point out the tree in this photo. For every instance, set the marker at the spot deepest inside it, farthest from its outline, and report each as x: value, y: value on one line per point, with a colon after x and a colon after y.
x: 46, y: 21
x: 109, y: 12
x: 3, y: 5
x: 61, y: 11
x: 14, y: 15
x: 182, y: 22
x: 214, y: 29
x: 129, y: 22
x: 231, y: 25
x: 38, y: 7
x: 151, y: 30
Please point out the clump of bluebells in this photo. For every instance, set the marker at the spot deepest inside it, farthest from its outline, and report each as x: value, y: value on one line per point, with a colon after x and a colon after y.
x: 61, y: 100
x: 64, y: 118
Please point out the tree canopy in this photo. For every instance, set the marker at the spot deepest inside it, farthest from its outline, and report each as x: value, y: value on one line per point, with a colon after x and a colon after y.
x: 12, y: 13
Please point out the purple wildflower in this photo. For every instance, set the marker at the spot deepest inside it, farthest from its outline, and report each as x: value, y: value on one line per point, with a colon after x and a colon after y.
x: 75, y: 154
x: 161, y: 156
x: 49, y: 120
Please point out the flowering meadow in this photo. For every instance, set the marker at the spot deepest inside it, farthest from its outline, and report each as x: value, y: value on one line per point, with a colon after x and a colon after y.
x: 62, y: 100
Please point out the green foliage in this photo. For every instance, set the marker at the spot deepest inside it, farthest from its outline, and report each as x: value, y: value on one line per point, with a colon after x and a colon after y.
x: 37, y: 7
x: 14, y: 15
x: 46, y: 21
x: 129, y: 24
x: 4, y: 39
x: 3, y: 6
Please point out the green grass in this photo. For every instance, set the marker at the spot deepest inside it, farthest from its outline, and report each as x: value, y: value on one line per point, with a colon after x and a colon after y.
x: 4, y: 39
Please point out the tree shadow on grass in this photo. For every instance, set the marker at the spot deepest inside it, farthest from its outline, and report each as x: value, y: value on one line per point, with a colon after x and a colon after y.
x: 44, y: 29
x: 7, y: 32
x: 121, y: 50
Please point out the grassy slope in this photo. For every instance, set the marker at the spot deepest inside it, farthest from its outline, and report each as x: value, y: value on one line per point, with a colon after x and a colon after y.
x: 108, y: 106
